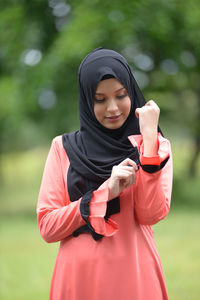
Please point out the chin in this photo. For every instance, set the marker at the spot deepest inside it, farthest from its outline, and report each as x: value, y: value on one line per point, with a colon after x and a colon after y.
x: 113, y: 126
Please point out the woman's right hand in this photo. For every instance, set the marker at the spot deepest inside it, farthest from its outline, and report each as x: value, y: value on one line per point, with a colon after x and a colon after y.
x: 122, y: 177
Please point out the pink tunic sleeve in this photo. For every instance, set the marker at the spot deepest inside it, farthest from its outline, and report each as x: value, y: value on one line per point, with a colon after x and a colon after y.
x: 57, y: 216
x: 152, y: 192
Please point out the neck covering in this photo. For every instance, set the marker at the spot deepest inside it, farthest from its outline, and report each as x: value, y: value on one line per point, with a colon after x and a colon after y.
x: 94, y: 150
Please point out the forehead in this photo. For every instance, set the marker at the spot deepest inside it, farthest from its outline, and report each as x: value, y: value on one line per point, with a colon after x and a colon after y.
x: 108, y: 85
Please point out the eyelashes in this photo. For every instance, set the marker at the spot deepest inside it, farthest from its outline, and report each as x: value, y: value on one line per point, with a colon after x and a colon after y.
x: 121, y: 96
x: 102, y: 100
x: 99, y: 100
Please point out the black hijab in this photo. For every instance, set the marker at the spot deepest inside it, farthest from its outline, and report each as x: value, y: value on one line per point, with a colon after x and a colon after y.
x: 94, y: 150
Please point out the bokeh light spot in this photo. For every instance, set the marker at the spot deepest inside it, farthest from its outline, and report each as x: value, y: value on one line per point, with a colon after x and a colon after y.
x: 188, y: 59
x: 169, y: 66
x: 31, y: 57
x: 47, y: 99
x: 143, y: 62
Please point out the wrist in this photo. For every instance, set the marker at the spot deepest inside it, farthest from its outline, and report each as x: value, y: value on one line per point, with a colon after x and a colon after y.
x: 149, y: 133
x: 150, y: 142
x: 109, y: 190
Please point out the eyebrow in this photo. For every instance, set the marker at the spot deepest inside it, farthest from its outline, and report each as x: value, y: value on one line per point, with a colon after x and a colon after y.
x: 114, y: 91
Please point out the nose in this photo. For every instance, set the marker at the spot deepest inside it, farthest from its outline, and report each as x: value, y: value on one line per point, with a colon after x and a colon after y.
x: 112, y: 106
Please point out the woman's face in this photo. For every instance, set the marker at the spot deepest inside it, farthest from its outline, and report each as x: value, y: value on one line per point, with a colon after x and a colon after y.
x: 112, y: 104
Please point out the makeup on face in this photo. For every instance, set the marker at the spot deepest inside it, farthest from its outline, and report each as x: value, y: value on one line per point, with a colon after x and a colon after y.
x: 111, y: 104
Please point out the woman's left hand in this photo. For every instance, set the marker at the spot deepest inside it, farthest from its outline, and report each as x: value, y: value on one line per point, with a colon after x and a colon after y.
x: 148, y: 118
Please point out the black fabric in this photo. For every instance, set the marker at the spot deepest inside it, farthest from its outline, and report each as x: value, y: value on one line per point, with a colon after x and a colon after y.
x: 113, y: 207
x: 85, y: 212
x: 94, y: 150
x: 154, y: 168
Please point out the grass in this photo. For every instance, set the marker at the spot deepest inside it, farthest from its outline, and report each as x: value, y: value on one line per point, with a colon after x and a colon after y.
x: 178, y: 243
x: 21, y: 178
x: 26, y: 260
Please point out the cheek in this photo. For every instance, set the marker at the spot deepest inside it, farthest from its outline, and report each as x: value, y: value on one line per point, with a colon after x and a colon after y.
x: 98, y: 112
x: 127, y: 106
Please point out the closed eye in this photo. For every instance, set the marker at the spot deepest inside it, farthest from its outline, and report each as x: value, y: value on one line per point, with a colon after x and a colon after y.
x: 121, y: 96
x: 103, y: 99
x: 99, y: 100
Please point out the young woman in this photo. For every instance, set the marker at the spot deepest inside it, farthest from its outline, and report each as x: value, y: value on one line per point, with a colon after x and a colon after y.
x: 103, y: 188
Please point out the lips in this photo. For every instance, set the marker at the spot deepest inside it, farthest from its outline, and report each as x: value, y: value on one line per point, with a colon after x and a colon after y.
x: 113, y: 118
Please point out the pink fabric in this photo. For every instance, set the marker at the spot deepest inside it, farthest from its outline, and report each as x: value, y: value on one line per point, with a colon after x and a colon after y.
x: 124, y: 265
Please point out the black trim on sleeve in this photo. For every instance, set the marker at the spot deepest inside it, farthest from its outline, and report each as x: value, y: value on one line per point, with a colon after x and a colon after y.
x: 85, y: 212
x: 154, y: 168
x: 113, y: 207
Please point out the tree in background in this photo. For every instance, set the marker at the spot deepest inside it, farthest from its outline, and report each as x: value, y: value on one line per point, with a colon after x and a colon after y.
x: 41, y: 46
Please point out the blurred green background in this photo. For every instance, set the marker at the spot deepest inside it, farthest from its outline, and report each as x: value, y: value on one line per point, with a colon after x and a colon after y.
x: 41, y: 46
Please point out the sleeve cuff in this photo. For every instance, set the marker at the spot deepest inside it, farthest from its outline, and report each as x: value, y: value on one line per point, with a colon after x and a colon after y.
x: 98, y: 204
x: 103, y: 227
x: 85, y: 212
x: 155, y: 163
x: 93, y: 210
x: 146, y: 160
x: 98, y: 210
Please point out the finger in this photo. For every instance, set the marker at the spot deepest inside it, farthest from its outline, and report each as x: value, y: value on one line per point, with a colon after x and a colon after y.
x: 152, y: 103
x: 122, y: 174
x: 149, y: 103
x: 133, y: 178
x: 128, y: 168
x: 128, y: 162
x: 130, y: 181
x: 137, y: 111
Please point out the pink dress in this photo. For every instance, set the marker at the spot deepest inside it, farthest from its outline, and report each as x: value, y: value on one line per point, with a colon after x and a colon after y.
x: 124, y: 264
